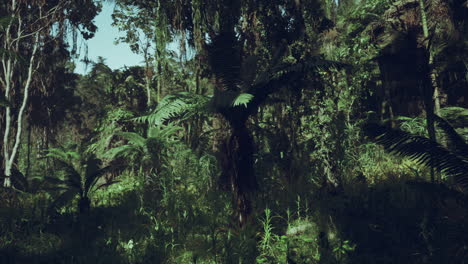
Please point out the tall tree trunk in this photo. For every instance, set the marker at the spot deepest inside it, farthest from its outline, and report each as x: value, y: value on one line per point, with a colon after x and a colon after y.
x: 148, y: 74
x: 159, y: 84
x: 148, y: 92
x: 10, y: 155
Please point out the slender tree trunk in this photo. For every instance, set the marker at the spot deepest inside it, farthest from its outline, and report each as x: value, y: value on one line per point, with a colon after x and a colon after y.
x: 433, y: 73
x: 159, y: 85
x: 28, y: 158
x: 431, y: 90
x: 6, y: 133
x: 197, y: 79
x: 8, y: 70
x: 148, y: 74
x: 148, y: 92
x: 10, y: 157
x: 431, y: 100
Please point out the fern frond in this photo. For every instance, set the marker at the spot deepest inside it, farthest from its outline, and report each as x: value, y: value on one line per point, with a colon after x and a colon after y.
x: 92, y: 168
x: 64, y: 198
x: 242, y: 99
x: 163, y: 132
x: 93, y: 177
x: 457, y: 142
x: 181, y: 106
x: 63, y: 155
x: 107, y: 184
x: 132, y: 138
x: 72, y: 176
x: 421, y: 150
x: 282, y: 73
x: 54, y: 180
x: 122, y: 151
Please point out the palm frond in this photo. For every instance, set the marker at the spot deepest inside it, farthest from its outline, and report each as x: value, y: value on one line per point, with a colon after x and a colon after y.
x: 421, y: 150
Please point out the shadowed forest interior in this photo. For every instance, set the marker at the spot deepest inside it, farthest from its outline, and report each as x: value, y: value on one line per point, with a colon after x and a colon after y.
x: 253, y: 131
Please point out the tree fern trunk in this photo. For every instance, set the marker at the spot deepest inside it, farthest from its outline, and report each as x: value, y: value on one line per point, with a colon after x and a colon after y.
x: 84, y: 205
x: 238, y: 169
x: 243, y: 147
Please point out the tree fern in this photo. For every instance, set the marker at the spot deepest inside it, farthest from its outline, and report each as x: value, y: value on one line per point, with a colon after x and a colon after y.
x: 134, y: 150
x: 77, y: 175
x: 144, y: 152
x: 243, y: 84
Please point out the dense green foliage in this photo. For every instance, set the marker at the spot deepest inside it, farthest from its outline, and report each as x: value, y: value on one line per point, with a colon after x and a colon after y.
x: 314, y: 131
